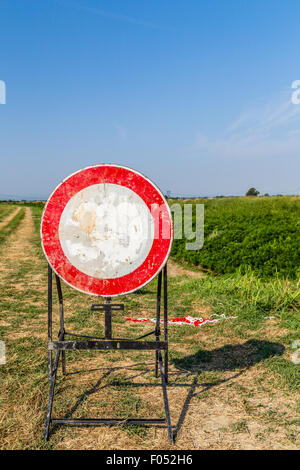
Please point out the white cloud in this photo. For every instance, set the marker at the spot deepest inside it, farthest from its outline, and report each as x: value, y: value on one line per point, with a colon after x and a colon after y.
x: 268, y: 132
x: 2, y: 92
x: 110, y: 15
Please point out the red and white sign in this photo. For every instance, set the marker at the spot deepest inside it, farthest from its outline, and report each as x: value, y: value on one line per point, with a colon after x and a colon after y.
x: 106, y: 230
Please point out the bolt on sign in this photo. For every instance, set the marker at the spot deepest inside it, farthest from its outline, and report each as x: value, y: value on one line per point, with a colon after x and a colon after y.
x: 106, y: 230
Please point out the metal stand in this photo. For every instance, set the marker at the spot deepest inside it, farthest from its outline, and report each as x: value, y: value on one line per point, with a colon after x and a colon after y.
x: 107, y: 342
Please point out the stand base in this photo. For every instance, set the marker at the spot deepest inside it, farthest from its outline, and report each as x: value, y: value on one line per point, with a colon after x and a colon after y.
x: 107, y: 343
x: 106, y: 421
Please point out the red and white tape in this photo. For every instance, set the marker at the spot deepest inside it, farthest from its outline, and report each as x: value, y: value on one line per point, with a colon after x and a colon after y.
x: 187, y: 320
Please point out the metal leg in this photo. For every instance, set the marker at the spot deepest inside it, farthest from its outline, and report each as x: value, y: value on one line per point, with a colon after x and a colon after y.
x: 164, y: 365
x: 51, y: 396
x: 108, y: 319
x: 157, y: 327
x: 166, y: 402
x: 156, y: 363
x: 166, y: 322
x: 50, y: 361
x: 61, y: 332
x: 63, y: 361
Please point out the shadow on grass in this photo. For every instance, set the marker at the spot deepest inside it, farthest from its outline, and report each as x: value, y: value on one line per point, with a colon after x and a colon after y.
x: 142, y: 291
x: 229, y: 357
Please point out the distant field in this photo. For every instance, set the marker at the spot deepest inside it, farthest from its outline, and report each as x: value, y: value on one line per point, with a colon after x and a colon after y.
x: 261, y: 235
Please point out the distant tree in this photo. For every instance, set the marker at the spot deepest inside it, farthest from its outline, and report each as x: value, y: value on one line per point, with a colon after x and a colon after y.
x: 266, y: 195
x: 252, y: 192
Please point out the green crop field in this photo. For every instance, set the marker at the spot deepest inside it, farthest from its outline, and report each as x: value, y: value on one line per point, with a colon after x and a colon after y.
x: 261, y: 235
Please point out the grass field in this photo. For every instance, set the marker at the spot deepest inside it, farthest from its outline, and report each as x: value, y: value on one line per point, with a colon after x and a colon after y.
x: 233, y: 384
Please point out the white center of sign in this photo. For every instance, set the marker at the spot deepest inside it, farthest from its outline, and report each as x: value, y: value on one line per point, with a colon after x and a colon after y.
x: 106, y: 231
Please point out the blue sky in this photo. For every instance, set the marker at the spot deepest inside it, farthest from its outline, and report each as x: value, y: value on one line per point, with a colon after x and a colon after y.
x: 195, y: 94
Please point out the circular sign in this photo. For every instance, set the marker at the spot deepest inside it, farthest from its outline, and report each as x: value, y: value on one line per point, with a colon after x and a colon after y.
x: 106, y: 230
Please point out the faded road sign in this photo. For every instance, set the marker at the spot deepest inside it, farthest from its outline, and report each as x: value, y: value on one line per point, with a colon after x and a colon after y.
x: 106, y: 230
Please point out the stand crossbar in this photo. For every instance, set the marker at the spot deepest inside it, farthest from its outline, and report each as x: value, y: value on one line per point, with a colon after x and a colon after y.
x: 108, y: 421
x: 112, y: 344
x: 107, y: 343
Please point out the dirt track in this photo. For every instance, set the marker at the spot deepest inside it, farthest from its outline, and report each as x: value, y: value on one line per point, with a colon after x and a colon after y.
x: 9, y: 218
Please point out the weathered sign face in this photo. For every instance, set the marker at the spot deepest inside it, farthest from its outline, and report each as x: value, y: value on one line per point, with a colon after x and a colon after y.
x: 106, y: 230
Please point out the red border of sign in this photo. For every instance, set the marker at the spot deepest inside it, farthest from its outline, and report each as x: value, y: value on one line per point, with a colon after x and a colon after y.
x: 55, y: 205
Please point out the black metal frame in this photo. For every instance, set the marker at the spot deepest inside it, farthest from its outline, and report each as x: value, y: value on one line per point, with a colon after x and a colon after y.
x: 107, y: 342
